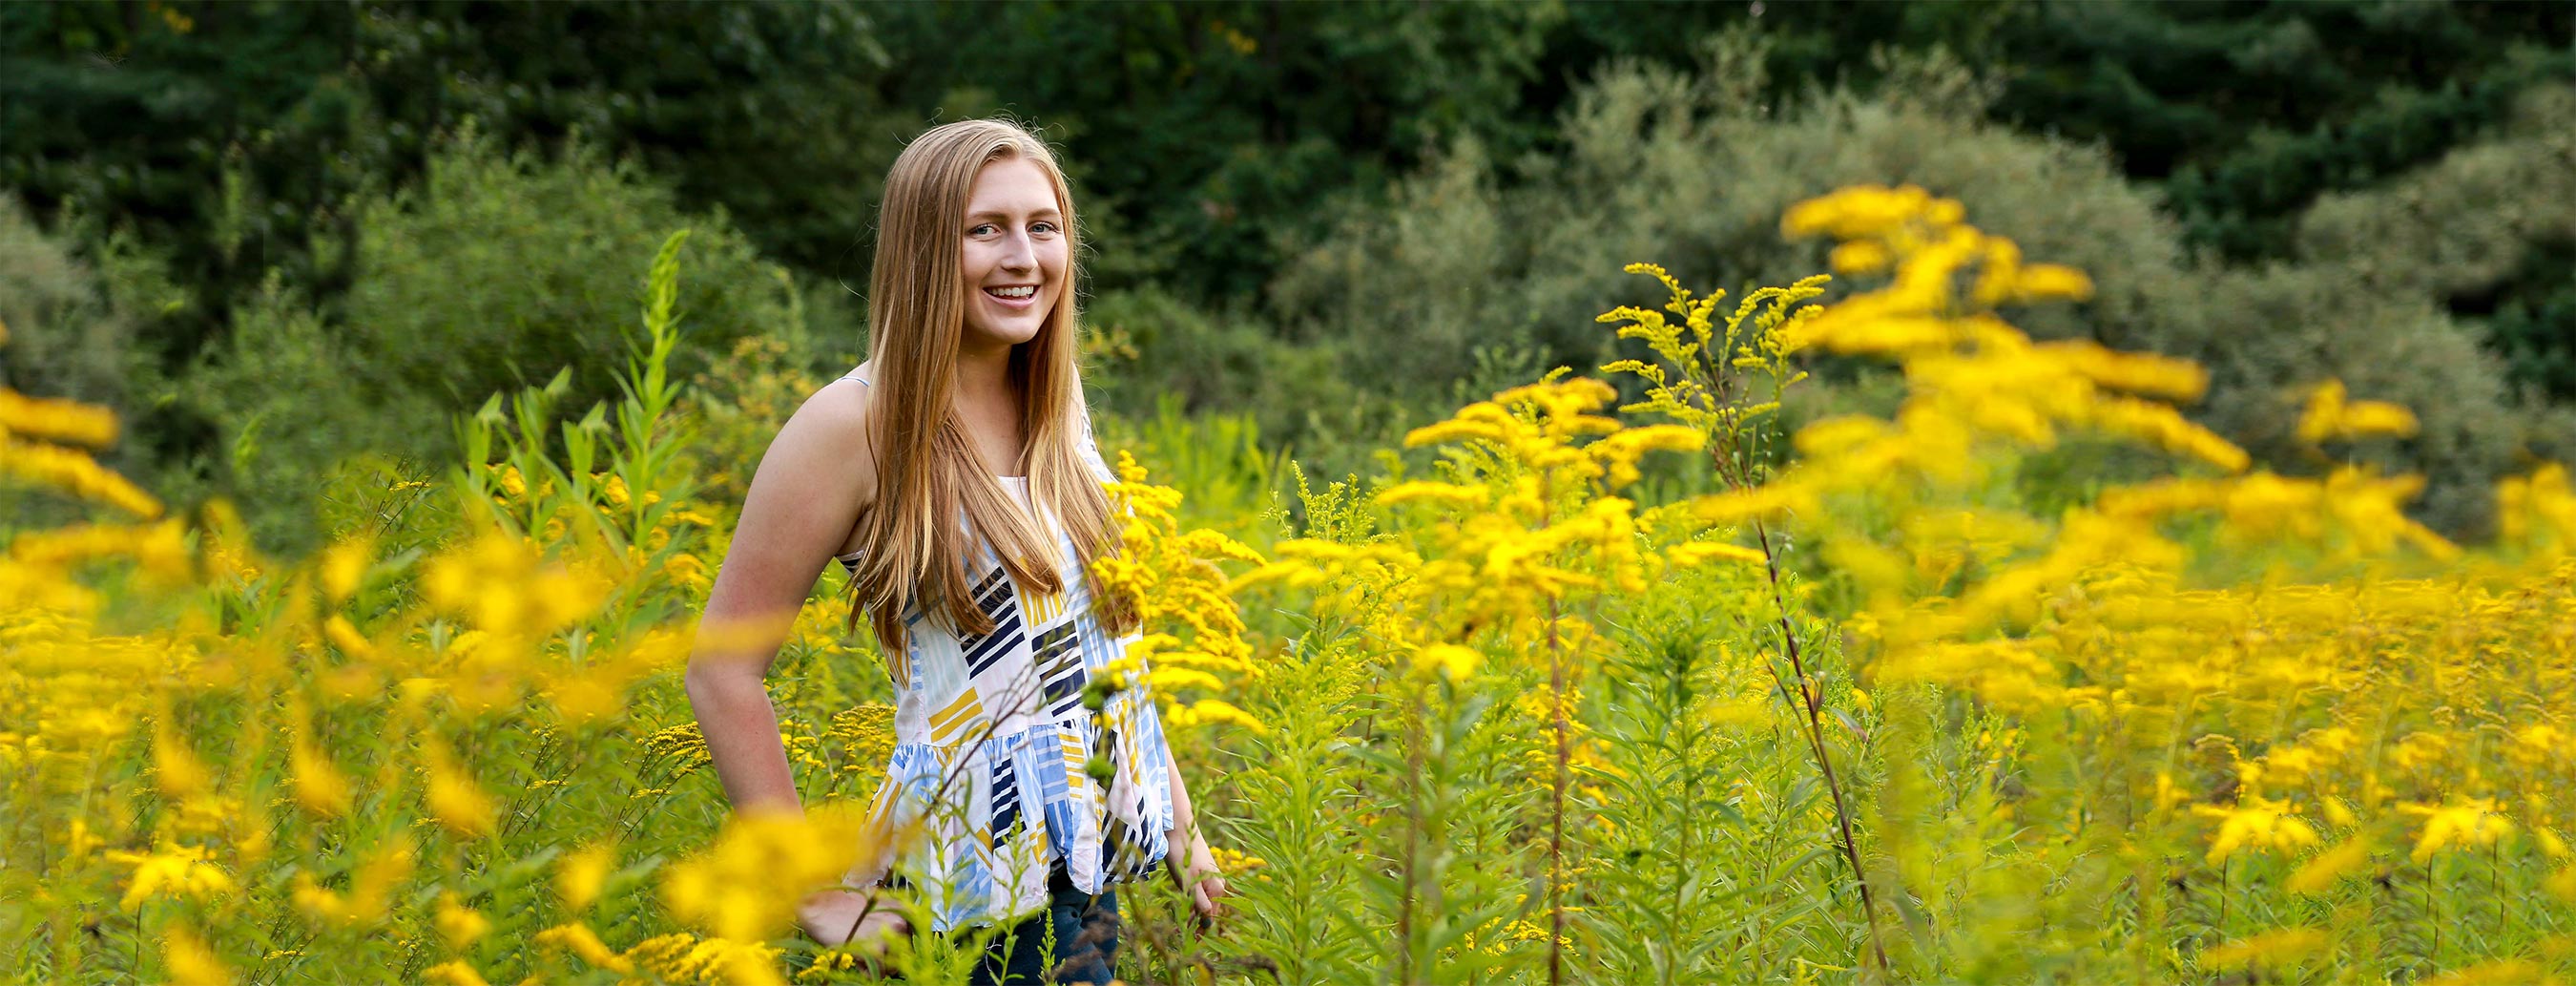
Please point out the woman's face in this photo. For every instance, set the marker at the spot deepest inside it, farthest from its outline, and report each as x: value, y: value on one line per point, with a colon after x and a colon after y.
x: 1016, y: 253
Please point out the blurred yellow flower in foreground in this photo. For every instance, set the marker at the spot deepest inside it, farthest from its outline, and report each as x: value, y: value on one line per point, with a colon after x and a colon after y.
x: 2331, y: 415
x: 746, y: 886
x: 460, y: 925
x: 371, y: 889
x: 454, y: 799
x: 171, y: 871
x: 579, y: 875
x: 506, y: 588
x: 2464, y: 823
x: 191, y: 962
x: 2314, y: 876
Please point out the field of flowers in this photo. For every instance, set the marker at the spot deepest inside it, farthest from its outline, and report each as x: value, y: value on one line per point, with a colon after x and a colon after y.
x: 1638, y: 684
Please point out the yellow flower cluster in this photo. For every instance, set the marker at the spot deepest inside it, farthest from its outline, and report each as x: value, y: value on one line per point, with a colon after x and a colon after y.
x: 171, y: 871
x: 1522, y: 531
x: 2290, y: 657
x: 235, y: 748
x: 1194, y: 647
x: 745, y: 887
x: 41, y: 442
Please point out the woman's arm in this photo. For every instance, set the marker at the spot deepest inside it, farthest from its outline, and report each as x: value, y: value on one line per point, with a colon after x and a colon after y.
x: 816, y: 477
x: 1197, y: 873
x: 803, y: 501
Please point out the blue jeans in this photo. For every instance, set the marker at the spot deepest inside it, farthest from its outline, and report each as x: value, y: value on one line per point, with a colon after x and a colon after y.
x: 1084, y: 938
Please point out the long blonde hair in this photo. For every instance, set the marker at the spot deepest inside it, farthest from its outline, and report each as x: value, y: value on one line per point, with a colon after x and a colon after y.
x: 927, y: 469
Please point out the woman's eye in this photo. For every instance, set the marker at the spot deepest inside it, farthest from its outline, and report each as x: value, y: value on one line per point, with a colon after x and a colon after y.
x: 1042, y: 227
x: 981, y: 229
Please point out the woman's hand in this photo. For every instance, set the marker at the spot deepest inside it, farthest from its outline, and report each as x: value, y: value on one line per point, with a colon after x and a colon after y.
x: 848, y: 920
x: 1205, y: 883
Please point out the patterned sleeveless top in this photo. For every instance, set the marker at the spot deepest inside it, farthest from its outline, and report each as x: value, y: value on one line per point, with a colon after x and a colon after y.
x: 986, y: 788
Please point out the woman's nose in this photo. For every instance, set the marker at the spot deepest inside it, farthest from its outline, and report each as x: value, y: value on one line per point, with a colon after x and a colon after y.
x: 1018, y: 253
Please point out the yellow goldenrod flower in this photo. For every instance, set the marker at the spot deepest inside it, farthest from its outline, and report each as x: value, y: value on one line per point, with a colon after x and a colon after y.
x: 579, y: 874
x: 175, y: 766
x: 460, y: 925
x: 1450, y: 659
x: 454, y: 799
x: 344, y: 566
x: 686, y: 958
x: 190, y: 960
x: 319, y: 785
x: 2464, y: 823
x: 2255, y: 823
x: 2330, y: 415
x: 370, y: 893
x: 66, y: 422
x: 74, y: 473
x: 578, y: 939
x: 1213, y: 711
x: 745, y: 886
x: 2273, y: 949
x: 1451, y: 494
x: 171, y: 871
x: 1697, y: 552
x: 2315, y: 875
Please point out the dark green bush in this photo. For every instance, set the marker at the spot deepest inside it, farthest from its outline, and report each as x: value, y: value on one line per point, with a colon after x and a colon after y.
x: 499, y: 270
x: 72, y: 319
x: 1688, y: 171
x: 1155, y: 348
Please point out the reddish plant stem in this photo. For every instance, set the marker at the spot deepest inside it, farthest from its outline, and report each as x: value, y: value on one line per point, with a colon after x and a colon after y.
x: 1812, y: 697
x: 1556, y: 821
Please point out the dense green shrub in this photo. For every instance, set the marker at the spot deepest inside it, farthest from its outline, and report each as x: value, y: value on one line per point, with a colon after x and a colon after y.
x: 73, y: 301
x: 1687, y: 168
x: 1154, y: 351
x: 497, y: 271
x: 2490, y: 230
x: 502, y: 267
x: 294, y: 399
x: 71, y: 319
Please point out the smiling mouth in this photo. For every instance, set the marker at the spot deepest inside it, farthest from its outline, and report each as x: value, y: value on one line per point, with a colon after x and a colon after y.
x: 1019, y: 293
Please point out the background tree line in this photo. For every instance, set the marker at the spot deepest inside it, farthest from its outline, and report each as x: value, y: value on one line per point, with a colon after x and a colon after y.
x: 277, y: 235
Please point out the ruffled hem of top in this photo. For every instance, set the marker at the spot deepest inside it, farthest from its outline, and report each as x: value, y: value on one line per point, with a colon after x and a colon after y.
x: 1046, y: 813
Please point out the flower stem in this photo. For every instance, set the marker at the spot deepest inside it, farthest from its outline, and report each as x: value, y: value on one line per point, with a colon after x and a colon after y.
x: 1811, y: 698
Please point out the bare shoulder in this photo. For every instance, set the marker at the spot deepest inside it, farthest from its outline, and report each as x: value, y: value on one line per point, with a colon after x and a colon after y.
x: 826, y: 450
x: 805, y: 498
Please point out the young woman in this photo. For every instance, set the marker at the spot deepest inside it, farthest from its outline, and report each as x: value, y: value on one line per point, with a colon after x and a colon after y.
x: 954, y: 475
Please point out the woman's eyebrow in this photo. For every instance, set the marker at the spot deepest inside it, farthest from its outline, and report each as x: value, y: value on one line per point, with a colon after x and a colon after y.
x: 1046, y: 213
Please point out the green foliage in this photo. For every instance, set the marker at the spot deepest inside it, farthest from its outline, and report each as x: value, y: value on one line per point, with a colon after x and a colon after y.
x: 1679, y: 165
x: 1162, y: 350
x: 2248, y: 112
x: 67, y: 338
x: 2487, y: 230
x: 233, y: 133
x: 1711, y: 873
x: 213, y: 131
x: 291, y: 403
x: 545, y: 246
x: 2369, y: 301
x: 770, y: 110
x: 542, y: 248
x: 1211, y: 129
x: 70, y: 323
x: 1666, y: 164
x: 1225, y: 148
